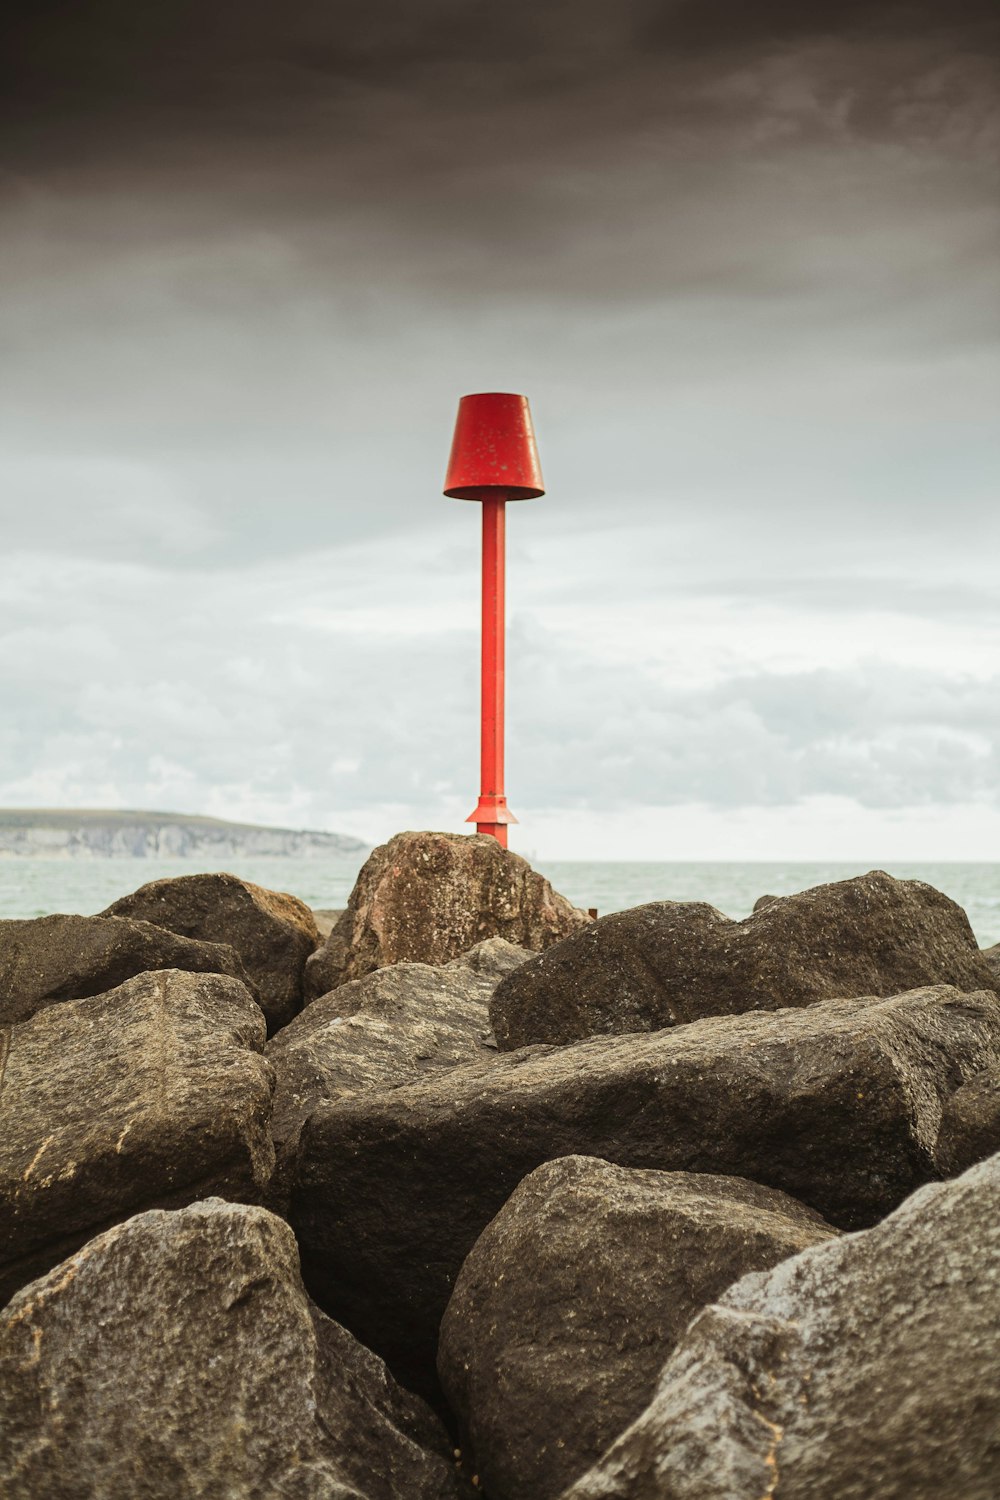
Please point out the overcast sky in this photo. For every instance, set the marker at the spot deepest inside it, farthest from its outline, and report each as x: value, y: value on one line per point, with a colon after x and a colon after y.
x: 743, y: 259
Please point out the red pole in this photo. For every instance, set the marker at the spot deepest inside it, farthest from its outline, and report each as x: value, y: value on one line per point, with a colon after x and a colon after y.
x: 492, y: 801
x: 493, y: 460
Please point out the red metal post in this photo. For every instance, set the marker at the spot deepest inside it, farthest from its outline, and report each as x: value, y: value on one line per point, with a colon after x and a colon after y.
x: 493, y: 460
x: 492, y: 815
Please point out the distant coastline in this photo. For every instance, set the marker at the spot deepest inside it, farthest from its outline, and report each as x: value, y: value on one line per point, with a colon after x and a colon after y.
x: 99, y: 833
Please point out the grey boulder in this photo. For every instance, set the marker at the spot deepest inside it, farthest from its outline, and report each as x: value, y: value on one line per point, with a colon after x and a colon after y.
x: 670, y: 962
x: 272, y: 932
x: 862, y: 1368
x: 46, y: 959
x: 152, y: 1095
x: 391, y: 1027
x: 837, y: 1104
x: 177, y: 1357
x: 428, y: 897
x: 573, y: 1297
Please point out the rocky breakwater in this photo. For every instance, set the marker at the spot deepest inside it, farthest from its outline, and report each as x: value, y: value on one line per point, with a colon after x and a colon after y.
x: 693, y: 1244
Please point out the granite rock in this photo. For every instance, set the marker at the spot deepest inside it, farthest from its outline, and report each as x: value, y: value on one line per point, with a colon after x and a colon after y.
x: 152, y: 1095
x: 47, y: 959
x: 863, y: 1367
x: 573, y: 1297
x: 177, y: 1357
x: 273, y: 933
x: 836, y: 1104
x: 671, y: 962
x: 970, y: 1123
x: 394, y: 1026
x: 428, y: 897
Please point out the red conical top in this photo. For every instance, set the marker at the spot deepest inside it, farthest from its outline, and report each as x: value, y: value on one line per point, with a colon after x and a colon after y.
x: 494, y: 449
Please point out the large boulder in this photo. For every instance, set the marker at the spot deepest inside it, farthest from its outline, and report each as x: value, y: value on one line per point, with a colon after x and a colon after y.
x: 152, y: 1095
x: 428, y: 897
x: 46, y: 959
x: 177, y: 1357
x: 991, y: 956
x: 671, y: 962
x: 272, y: 932
x: 836, y: 1104
x: 970, y: 1123
x: 572, y: 1298
x: 863, y: 1367
x: 394, y: 1026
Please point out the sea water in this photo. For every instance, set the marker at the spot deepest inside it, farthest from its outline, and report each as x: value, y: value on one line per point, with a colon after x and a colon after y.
x: 35, y: 887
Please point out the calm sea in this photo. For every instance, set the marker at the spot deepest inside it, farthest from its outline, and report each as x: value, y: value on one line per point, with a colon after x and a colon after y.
x: 34, y: 887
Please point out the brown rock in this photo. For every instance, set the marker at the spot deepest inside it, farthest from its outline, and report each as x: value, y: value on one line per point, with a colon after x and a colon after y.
x: 991, y: 956
x: 177, y: 1357
x: 865, y: 1367
x: 428, y: 897
x: 571, y: 1300
x: 837, y: 1104
x: 671, y: 962
x: 970, y: 1123
x: 152, y: 1095
x: 272, y: 932
x: 68, y: 958
x: 394, y: 1026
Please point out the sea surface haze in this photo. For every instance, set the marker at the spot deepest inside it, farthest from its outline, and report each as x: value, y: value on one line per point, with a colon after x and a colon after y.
x: 35, y: 887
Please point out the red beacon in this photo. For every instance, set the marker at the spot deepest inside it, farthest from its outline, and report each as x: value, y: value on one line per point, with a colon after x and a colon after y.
x: 493, y: 460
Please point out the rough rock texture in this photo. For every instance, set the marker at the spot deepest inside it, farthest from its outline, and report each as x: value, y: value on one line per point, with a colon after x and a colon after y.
x: 991, y: 956
x: 970, y: 1123
x: 572, y: 1298
x: 837, y: 1104
x: 326, y: 919
x: 428, y: 897
x: 67, y: 958
x: 272, y: 932
x: 177, y: 1356
x: 152, y: 1095
x: 671, y: 962
x: 862, y: 1368
x: 393, y: 1026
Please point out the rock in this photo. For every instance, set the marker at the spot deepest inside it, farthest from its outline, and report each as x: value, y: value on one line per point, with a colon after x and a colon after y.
x: 154, y: 1094
x: 392, y: 1027
x: 428, y: 897
x: 46, y: 959
x: 326, y: 919
x: 177, y: 1356
x: 836, y: 1104
x: 970, y: 1123
x: 671, y: 962
x: 572, y: 1298
x: 991, y: 956
x: 863, y: 1367
x: 273, y: 933
x: 763, y: 901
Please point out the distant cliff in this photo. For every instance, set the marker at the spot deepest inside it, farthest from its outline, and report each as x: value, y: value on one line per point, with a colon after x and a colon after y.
x: 36, y: 832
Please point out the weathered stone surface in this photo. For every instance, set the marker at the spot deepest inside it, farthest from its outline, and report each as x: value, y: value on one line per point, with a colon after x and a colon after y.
x: 670, y: 962
x: 991, y: 956
x: 177, y: 1357
x: 572, y: 1298
x: 272, y: 932
x: 152, y: 1095
x: 392, y: 1027
x: 836, y: 1104
x: 326, y: 919
x: 863, y: 1367
x: 970, y: 1123
x: 46, y: 959
x: 428, y: 897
